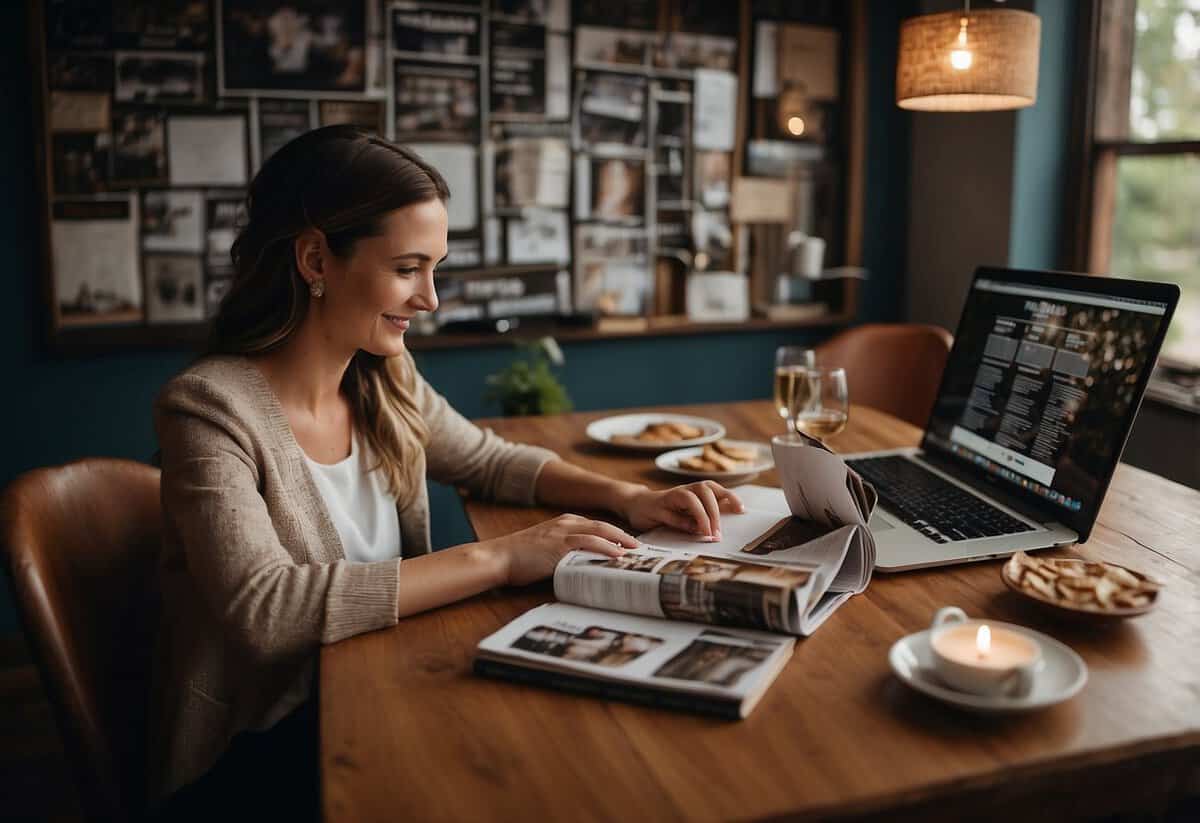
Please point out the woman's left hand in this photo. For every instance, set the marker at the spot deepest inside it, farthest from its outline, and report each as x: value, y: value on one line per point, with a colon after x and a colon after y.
x: 695, y: 508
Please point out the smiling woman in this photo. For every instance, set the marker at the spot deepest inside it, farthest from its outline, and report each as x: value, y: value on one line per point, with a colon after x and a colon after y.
x: 294, y: 458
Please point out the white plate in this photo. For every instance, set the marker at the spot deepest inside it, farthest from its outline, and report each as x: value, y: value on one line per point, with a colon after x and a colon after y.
x: 669, y: 462
x: 603, y: 429
x: 1061, y: 678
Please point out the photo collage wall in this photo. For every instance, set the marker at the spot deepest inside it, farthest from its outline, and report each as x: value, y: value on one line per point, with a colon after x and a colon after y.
x: 576, y: 149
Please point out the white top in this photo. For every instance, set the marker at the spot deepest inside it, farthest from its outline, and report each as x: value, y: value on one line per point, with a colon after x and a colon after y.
x: 362, y: 511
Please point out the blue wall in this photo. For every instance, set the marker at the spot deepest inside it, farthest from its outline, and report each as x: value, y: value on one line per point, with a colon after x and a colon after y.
x: 63, y: 409
x: 1043, y: 132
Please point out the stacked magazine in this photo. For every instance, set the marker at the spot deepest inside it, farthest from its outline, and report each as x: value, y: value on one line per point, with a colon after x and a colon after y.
x: 640, y: 627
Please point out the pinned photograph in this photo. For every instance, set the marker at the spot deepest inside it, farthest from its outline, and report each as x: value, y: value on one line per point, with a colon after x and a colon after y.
x: 713, y: 176
x: 80, y: 161
x: 207, y: 150
x: 71, y: 71
x: 79, y: 111
x: 611, y: 109
x: 618, y: 188
x: 223, y: 218
x: 300, y: 46
x: 540, y: 236
x: 367, y: 114
x: 612, y: 270
x: 518, y: 70
x: 172, y: 221
x: 94, y: 249
x: 279, y: 122
x: 683, y: 51
x: 435, y: 101
x: 532, y: 171
x: 139, y: 147
x: 440, y: 34
x: 163, y: 24
x: 78, y: 24
x: 598, y: 46
x: 159, y: 77
x: 174, y: 289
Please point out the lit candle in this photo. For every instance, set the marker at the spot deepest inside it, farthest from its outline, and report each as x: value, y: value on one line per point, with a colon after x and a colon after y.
x: 984, y: 659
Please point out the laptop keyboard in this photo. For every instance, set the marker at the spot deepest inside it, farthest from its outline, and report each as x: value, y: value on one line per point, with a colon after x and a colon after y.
x: 938, y: 509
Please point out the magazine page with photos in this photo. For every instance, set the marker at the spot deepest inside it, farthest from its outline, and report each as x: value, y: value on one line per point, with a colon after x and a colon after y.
x: 641, y: 659
x: 703, y: 588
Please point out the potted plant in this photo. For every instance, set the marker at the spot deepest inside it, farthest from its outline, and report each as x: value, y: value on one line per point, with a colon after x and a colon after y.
x: 527, y: 385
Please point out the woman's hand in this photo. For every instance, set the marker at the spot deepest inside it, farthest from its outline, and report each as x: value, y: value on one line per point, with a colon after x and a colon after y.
x: 531, y: 554
x: 694, y: 508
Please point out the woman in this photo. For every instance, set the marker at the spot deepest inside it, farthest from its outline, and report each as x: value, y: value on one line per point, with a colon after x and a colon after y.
x: 294, y: 459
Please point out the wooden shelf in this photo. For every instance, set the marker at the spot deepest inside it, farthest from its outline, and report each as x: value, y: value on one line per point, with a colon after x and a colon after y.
x: 665, y: 326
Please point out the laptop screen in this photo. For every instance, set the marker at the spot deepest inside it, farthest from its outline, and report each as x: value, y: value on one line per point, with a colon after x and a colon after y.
x: 1043, y: 382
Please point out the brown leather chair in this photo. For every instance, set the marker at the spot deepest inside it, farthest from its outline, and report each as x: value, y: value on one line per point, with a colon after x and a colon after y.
x: 81, y: 543
x: 895, y: 367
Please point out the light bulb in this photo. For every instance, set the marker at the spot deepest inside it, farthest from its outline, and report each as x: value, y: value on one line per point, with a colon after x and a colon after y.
x: 795, y: 125
x: 960, y: 55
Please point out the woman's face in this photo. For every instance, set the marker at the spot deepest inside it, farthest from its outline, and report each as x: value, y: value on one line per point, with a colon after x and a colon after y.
x: 371, y: 296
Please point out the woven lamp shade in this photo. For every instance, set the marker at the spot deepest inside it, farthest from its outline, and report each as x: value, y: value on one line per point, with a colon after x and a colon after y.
x: 1004, y: 65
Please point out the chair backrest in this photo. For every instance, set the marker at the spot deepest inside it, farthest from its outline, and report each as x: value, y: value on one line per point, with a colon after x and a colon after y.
x: 895, y: 367
x: 81, y: 543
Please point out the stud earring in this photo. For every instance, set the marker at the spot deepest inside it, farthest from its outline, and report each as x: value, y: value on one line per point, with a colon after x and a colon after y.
x: 317, y: 287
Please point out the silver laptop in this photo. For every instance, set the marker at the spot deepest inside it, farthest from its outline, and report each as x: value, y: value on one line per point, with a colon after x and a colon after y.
x: 1037, y: 399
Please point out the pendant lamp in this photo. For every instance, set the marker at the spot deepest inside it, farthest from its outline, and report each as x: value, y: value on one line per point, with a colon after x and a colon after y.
x: 984, y: 60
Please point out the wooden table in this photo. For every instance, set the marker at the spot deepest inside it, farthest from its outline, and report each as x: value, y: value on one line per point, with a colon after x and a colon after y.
x: 408, y: 733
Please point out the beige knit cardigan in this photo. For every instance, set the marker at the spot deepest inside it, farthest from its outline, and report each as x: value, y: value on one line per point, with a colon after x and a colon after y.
x: 254, y: 579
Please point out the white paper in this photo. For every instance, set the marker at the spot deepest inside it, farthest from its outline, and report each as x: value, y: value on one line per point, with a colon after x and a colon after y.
x: 558, y: 77
x: 174, y: 289
x: 173, y: 221
x: 96, y: 265
x: 207, y: 151
x: 765, y: 67
x: 715, y: 107
x: 539, y: 236
x: 457, y: 163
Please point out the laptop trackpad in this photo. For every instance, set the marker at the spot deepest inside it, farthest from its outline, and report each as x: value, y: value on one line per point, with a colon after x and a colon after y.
x: 878, y: 523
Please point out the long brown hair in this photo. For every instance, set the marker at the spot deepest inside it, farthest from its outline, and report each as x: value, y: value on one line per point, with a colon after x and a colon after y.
x: 341, y: 180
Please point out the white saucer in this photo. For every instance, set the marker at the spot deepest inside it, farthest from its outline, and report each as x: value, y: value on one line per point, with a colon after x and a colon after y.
x: 602, y: 430
x: 669, y: 462
x: 1061, y: 678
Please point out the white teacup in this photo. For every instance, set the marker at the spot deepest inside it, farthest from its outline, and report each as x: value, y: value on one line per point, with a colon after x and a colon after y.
x: 1008, y: 668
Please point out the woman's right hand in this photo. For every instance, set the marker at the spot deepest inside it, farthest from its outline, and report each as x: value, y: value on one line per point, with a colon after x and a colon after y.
x: 531, y: 554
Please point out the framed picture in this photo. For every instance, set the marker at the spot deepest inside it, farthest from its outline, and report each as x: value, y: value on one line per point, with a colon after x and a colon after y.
x: 299, y: 48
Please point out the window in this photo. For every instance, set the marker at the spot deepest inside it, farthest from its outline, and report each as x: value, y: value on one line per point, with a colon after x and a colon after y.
x: 1145, y: 153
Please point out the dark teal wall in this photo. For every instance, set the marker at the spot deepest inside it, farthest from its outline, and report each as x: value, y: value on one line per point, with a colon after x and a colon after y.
x: 1043, y: 134
x: 62, y: 409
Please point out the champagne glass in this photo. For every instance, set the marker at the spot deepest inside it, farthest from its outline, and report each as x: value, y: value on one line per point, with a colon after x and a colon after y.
x: 828, y: 407
x: 791, y: 370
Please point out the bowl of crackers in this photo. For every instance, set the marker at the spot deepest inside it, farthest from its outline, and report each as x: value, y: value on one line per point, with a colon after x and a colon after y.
x: 1085, y: 588
x: 720, y: 460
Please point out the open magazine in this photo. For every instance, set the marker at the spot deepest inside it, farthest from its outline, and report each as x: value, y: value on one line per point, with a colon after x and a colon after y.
x: 640, y: 626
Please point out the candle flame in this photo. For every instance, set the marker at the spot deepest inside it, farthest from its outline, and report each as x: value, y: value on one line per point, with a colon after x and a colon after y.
x: 983, y: 640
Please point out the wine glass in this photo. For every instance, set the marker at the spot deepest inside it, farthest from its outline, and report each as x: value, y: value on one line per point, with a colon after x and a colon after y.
x: 828, y: 407
x: 791, y: 370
